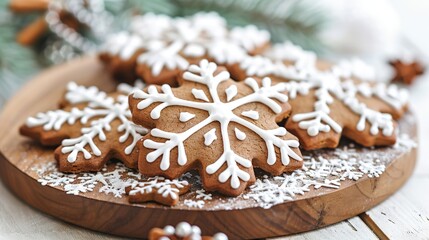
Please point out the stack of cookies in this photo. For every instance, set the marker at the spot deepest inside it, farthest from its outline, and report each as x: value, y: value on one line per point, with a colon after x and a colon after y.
x: 216, y: 100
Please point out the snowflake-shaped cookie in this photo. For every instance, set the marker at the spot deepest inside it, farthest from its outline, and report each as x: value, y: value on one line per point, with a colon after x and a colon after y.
x: 158, y: 189
x: 91, y: 128
x: 329, y: 101
x: 164, y: 46
x: 216, y: 125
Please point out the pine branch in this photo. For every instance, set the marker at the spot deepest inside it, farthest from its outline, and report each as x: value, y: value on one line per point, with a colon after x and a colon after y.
x: 16, y: 62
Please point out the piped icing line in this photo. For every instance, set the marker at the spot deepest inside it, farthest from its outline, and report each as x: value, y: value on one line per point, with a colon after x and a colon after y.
x: 221, y: 112
x: 123, y: 44
x: 349, y: 162
x: 249, y: 37
x: 168, y: 58
x: 329, y: 86
x: 100, y: 111
x: 164, y: 187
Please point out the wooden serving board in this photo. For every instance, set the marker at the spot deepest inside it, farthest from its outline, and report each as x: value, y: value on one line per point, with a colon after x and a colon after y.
x: 237, y: 218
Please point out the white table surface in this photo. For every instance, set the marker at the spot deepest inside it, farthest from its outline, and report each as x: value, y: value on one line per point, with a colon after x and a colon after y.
x: 405, y: 215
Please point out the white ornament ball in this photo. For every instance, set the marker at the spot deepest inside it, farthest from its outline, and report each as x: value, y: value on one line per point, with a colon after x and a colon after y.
x: 169, y: 230
x: 183, y: 229
x: 220, y: 236
x: 196, y: 230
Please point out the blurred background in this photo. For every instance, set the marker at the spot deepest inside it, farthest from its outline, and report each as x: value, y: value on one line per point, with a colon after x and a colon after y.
x: 382, y: 32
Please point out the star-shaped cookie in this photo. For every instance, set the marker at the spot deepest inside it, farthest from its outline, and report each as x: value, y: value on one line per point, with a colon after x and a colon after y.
x: 406, y: 72
x: 157, y: 189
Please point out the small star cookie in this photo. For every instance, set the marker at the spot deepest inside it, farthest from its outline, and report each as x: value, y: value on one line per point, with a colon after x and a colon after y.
x: 406, y: 72
x: 157, y: 189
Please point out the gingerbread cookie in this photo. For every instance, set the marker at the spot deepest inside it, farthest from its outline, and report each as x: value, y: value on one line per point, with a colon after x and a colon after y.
x: 183, y: 231
x: 91, y: 128
x: 157, y: 189
x: 406, y: 70
x: 216, y: 125
x: 161, y: 46
x: 329, y: 101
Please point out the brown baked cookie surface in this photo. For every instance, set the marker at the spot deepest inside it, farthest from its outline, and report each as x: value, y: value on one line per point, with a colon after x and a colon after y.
x: 329, y: 101
x: 91, y: 128
x: 157, y: 189
x: 216, y: 125
x: 119, y: 53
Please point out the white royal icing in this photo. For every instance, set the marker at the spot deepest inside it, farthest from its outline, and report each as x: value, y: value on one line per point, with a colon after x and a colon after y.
x: 218, y: 112
x: 231, y: 92
x: 164, y: 187
x: 123, y: 44
x: 185, y: 116
x: 210, y: 23
x: 169, y: 41
x: 151, y: 26
x: 168, y: 58
x: 250, y: 37
x: 251, y: 114
x: 356, y: 68
x: 226, y: 52
x: 103, y: 109
x: 331, y: 85
x: 200, y: 95
x: 209, y: 137
x: 239, y: 134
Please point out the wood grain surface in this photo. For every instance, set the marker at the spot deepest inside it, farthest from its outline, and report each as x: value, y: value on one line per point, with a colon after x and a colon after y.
x: 99, y: 212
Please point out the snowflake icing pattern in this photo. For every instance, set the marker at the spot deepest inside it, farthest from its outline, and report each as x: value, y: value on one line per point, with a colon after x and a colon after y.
x: 330, y: 87
x: 220, y: 112
x: 169, y: 44
x: 115, y: 181
x: 158, y: 189
x: 97, y: 115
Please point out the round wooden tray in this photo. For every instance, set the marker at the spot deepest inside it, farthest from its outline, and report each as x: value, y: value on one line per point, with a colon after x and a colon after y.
x: 315, y: 209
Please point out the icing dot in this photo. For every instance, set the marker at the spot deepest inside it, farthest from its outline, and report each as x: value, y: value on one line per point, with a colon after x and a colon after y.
x: 209, y: 137
x: 251, y: 114
x: 199, y: 94
x: 185, y: 116
x: 239, y: 134
x: 231, y: 92
x: 194, y: 50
